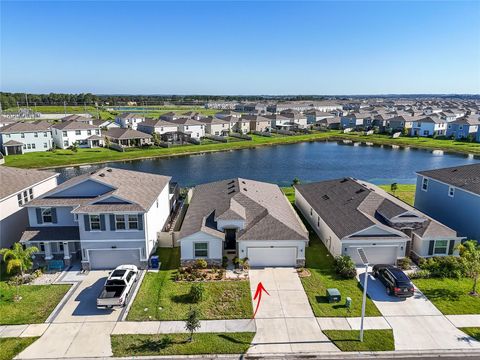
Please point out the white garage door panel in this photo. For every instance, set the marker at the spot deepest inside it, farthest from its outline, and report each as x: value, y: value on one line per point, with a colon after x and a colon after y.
x: 276, y: 256
x: 110, y: 259
x: 375, y: 254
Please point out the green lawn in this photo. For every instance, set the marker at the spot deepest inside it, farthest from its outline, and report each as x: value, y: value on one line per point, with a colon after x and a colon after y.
x: 320, y: 263
x: 10, y: 347
x: 373, y: 340
x: 177, y: 344
x: 450, y: 296
x: 90, y: 156
x: 38, y: 301
x: 165, y: 299
x: 472, y: 331
x: 405, y: 192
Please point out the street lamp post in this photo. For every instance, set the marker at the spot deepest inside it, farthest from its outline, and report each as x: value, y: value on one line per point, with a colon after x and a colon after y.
x: 363, y: 256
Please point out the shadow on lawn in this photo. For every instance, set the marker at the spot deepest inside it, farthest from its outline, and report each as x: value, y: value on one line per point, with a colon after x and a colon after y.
x: 150, y: 345
x: 443, y: 294
x: 233, y: 340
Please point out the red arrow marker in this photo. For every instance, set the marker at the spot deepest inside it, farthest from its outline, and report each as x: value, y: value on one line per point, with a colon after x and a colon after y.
x: 258, y: 294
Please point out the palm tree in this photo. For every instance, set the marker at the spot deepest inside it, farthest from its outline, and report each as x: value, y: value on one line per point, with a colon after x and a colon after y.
x: 18, y: 258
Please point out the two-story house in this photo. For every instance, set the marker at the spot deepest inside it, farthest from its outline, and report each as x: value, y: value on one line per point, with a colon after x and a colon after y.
x: 129, y: 120
x: 158, y: 126
x: 429, y: 126
x: 258, y: 122
x: 216, y: 126
x: 243, y: 218
x: 314, y: 116
x: 18, y: 187
x: 25, y: 137
x: 104, y: 218
x: 192, y: 127
x: 464, y: 127
x: 85, y: 135
x: 452, y: 196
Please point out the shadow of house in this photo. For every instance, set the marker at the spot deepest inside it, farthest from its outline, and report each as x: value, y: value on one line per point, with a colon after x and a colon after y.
x: 87, y: 300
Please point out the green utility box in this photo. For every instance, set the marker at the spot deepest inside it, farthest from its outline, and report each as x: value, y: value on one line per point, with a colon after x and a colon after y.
x: 333, y: 295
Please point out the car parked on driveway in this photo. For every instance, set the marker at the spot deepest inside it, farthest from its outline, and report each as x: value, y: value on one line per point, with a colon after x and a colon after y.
x: 117, y: 286
x: 395, y: 280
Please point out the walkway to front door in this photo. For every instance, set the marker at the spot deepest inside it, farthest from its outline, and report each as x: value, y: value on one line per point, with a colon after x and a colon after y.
x: 285, y: 321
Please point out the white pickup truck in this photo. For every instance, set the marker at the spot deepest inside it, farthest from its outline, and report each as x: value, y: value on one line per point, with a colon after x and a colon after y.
x: 117, y: 287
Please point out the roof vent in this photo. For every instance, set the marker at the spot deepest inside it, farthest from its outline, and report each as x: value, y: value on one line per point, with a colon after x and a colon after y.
x: 231, y: 182
x: 325, y: 197
x: 344, y: 180
x: 244, y: 189
x: 359, y: 191
x: 109, y: 170
x: 231, y: 191
x: 101, y: 175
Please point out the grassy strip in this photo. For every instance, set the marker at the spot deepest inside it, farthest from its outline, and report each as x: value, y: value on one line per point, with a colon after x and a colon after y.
x: 405, y: 192
x: 320, y: 264
x: 373, y: 340
x: 38, y: 301
x: 10, y: 347
x: 472, y: 331
x: 450, y: 296
x: 90, y: 156
x: 160, y: 298
x: 178, y: 344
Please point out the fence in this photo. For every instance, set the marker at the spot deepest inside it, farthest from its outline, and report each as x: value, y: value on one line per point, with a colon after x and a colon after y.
x: 216, y: 138
x: 240, y: 136
x: 262, y: 133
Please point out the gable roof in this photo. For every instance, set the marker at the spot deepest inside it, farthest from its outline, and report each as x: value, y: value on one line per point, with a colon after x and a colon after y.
x: 26, y: 126
x: 266, y: 212
x: 156, y: 123
x: 465, y: 177
x: 14, y: 180
x: 125, y: 133
x: 74, y: 125
x: 139, y: 189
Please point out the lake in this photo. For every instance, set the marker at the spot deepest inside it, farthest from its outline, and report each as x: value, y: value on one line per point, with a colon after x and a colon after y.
x: 311, y: 161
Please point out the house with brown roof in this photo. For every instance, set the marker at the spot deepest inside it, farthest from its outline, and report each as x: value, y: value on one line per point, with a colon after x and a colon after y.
x: 103, y: 218
x: 243, y: 218
x: 348, y: 214
x: 24, y: 136
x: 18, y: 187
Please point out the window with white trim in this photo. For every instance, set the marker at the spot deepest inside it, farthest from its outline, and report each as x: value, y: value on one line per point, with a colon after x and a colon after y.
x: 64, y: 133
x: 451, y: 191
x: 78, y: 132
x: 24, y: 197
x: 200, y: 249
x: 441, y: 247
x: 95, y: 222
x: 425, y: 184
x: 46, y: 215
x: 133, y: 222
x: 120, y: 222
x: 42, y: 247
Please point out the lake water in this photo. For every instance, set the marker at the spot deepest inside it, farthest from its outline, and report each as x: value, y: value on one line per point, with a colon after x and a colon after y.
x: 309, y: 162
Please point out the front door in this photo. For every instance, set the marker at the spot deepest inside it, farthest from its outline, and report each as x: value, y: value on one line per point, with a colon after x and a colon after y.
x: 230, y: 239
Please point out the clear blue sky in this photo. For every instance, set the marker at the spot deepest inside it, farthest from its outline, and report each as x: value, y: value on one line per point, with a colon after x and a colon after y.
x: 241, y: 47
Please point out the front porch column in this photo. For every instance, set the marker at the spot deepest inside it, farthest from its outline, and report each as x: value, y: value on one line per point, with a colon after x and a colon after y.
x: 66, y: 253
x: 48, y: 251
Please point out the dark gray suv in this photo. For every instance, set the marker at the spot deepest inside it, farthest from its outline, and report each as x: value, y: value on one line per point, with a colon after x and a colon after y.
x: 397, y: 283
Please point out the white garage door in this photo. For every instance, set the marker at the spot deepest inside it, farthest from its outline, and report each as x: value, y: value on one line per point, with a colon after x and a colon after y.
x: 375, y: 254
x: 110, y: 259
x: 276, y: 256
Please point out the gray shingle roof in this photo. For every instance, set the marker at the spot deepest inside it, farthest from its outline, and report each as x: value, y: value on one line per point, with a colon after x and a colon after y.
x: 74, y: 125
x: 122, y: 133
x: 465, y: 177
x: 139, y: 188
x: 267, y: 213
x: 14, y: 180
x: 24, y: 126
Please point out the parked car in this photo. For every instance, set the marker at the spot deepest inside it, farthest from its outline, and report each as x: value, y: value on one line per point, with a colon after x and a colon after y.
x: 117, y: 286
x: 395, y: 280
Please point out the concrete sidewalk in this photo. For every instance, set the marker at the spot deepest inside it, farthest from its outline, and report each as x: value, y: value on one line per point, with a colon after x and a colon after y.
x: 464, y: 320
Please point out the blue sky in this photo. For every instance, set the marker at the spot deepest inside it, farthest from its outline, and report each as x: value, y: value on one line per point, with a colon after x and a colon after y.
x: 240, y: 47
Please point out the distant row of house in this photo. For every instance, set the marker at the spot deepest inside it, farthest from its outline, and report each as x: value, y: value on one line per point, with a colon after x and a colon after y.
x: 113, y: 216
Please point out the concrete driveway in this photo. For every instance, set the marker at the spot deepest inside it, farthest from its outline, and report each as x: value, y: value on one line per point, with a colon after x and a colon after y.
x: 285, y: 321
x: 82, y: 305
x: 416, y: 323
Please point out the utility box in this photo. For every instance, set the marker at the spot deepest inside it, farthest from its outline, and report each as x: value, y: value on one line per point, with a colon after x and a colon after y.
x: 348, y: 303
x: 333, y: 295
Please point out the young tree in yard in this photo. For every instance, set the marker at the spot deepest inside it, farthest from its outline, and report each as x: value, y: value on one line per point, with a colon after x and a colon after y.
x: 296, y: 181
x: 393, y: 188
x: 156, y: 138
x: 18, y: 258
x: 470, y: 256
x: 192, y: 323
x: 107, y: 142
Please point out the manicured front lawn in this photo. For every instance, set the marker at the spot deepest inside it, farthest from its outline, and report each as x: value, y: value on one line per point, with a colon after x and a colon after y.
x: 472, y: 331
x: 38, y: 301
x: 405, y: 192
x: 450, y: 296
x: 10, y: 347
x: 177, y: 344
x: 373, y: 340
x: 161, y: 298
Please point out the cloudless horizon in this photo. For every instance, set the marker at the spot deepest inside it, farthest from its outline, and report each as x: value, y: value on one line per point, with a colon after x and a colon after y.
x: 247, y: 48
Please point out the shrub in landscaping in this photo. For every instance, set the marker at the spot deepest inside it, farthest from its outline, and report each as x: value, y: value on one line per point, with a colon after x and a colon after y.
x: 420, y: 274
x: 197, y: 292
x: 405, y: 263
x: 201, y: 264
x: 224, y: 262
x: 443, y: 266
x: 345, y: 267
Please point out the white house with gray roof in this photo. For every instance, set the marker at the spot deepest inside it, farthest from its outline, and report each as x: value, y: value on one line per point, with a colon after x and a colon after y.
x: 18, y: 187
x: 348, y: 214
x: 243, y: 218
x: 104, y: 218
x: 81, y: 133
x: 129, y: 120
x: 24, y: 137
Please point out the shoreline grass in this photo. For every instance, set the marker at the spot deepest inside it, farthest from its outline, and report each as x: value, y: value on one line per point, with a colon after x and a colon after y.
x: 64, y: 158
